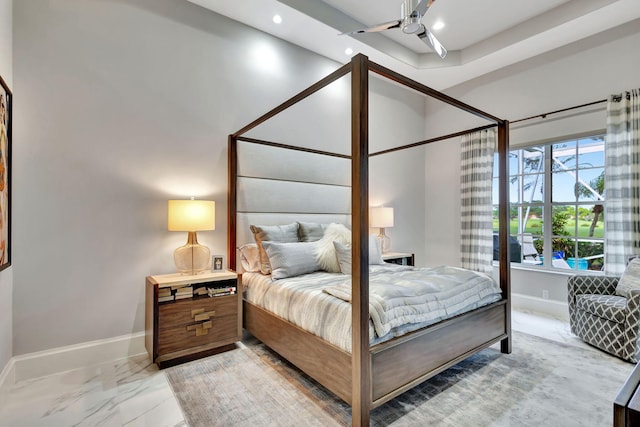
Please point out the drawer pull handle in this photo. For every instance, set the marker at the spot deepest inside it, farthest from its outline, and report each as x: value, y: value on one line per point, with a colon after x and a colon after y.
x: 204, y: 316
x: 200, y: 328
x: 197, y: 311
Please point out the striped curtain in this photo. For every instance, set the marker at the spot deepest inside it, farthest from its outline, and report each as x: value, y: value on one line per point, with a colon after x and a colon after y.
x: 476, y: 173
x: 622, y: 181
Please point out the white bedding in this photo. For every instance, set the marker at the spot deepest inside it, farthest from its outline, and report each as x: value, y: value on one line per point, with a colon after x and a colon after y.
x: 402, y: 299
x: 420, y: 295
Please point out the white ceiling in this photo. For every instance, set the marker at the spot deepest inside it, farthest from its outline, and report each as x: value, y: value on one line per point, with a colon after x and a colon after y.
x: 471, y: 16
x: 481, y: 36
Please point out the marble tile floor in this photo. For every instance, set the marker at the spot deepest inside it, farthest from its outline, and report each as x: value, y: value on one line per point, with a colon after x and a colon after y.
x: 546, y: 327
x: 133, y: 392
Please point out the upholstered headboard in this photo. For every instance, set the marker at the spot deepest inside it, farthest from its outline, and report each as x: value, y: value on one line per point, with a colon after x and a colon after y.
x: 277, y: 185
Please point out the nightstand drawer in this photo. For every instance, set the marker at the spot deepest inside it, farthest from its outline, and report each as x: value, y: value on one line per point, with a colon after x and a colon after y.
x: 197, y: 334
x: 191, y: 310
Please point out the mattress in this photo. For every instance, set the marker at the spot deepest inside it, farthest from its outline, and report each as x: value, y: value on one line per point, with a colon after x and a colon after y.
x: 402, y: 299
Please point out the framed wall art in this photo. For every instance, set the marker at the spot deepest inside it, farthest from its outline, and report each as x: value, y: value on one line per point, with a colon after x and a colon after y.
x: 6, y: 104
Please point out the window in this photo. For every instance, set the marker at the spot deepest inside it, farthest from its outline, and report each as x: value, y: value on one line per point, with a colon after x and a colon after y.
x: 556, y: 194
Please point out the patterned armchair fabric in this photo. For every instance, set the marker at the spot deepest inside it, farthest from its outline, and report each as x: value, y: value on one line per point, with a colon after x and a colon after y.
x: 601, y: 318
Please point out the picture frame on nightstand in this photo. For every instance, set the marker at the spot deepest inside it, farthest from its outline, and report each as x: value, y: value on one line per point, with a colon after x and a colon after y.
x: 217, y: 263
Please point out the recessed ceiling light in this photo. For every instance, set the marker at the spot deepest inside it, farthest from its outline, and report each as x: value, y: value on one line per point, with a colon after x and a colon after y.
x: 438, y: 25
x: 277, y: 19
x: 348, y: 51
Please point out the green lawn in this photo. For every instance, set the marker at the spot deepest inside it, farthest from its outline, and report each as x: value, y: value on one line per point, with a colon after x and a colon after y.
x: 534, y: 226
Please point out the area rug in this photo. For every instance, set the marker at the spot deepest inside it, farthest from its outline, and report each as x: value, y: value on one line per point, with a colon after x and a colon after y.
x: 541, y: 383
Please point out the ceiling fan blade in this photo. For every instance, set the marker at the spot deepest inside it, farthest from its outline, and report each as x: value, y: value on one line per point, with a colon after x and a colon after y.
x: 376, y: 28
x: 431, y: 40
x: 423, y: 6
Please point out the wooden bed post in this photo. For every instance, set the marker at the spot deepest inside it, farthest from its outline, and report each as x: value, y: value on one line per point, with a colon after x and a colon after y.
x: 503, y: 217
x: 361, y: 365
x: 231, y: 200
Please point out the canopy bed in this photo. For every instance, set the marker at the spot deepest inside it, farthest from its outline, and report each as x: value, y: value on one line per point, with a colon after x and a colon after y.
x: 364, y: 372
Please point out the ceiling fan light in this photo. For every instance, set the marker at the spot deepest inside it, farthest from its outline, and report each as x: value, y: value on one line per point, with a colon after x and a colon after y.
x: 412, y: 25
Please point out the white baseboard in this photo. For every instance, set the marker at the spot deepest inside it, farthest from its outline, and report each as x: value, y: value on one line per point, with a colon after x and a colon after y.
x: 39, y: 364
x: 556, y: 309
x: 47, y: 362
x: 7, y: 377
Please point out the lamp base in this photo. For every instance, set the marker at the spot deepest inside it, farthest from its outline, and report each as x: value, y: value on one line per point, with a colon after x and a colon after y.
x: 385, y: 241
x: 192, y: 258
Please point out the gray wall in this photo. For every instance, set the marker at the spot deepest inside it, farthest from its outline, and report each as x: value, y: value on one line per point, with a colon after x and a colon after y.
x: 396, y: 118
x: 123, y: 105
x: 6, y: 276
x: 604, y: 64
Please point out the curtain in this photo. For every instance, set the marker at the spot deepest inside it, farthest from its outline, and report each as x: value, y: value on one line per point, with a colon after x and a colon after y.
x: 622, y: 181
x: 476, y: 178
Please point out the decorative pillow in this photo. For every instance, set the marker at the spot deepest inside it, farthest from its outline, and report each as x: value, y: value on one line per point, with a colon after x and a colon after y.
x: 375, y: 251
x: 291, y: 259
x: 326, y: 252
x: 311, y: 231
x: 272, y: 233
x: 249, y: 257
x: 343, y: 253
x: 630, y: 279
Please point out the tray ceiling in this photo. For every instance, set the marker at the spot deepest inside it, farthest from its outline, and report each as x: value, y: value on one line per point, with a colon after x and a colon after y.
x: 481, y: 36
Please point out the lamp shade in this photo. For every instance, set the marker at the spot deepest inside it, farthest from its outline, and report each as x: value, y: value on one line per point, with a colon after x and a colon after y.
x: 381, y: 217
x: 192, y: 215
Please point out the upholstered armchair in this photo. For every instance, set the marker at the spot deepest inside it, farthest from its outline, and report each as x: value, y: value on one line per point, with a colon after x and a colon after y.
x: 603, y: 318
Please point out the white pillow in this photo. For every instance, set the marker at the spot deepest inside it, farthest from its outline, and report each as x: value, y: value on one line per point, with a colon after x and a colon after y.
x: 343, y: 253
x: 630, y: 279
x: 291, y: 259
x: 249, y: 257
x: 326, y: 252
x: 375, y: 251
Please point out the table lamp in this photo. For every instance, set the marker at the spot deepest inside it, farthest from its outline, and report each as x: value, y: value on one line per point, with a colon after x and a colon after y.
x: 382, y: 217
x: 192, y: 216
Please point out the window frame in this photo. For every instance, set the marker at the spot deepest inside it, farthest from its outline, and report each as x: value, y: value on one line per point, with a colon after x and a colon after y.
x: 548, y: 204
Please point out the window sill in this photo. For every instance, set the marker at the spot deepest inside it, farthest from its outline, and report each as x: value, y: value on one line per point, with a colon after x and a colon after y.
x: 547, y: 270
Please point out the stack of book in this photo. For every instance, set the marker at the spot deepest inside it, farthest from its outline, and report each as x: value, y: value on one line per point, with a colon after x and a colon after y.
x: 221, y: 291
x: 183, y: 291
x: 164, y: 295
x: 200, y: 291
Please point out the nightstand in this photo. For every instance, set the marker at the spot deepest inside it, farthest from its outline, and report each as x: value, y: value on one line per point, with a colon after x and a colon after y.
x: 188, y: 317
x: 402, y: 258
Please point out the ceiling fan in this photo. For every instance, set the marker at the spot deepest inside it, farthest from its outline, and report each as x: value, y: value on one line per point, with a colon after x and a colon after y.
x: 411, y: 23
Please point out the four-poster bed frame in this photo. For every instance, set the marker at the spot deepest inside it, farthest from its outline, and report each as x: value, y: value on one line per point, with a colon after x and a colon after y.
x: 369, y: 376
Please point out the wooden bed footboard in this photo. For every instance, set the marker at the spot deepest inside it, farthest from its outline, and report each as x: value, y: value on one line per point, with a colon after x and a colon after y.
x: 322, y: 361
x: 396, y: 365
x: 400, y: 364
